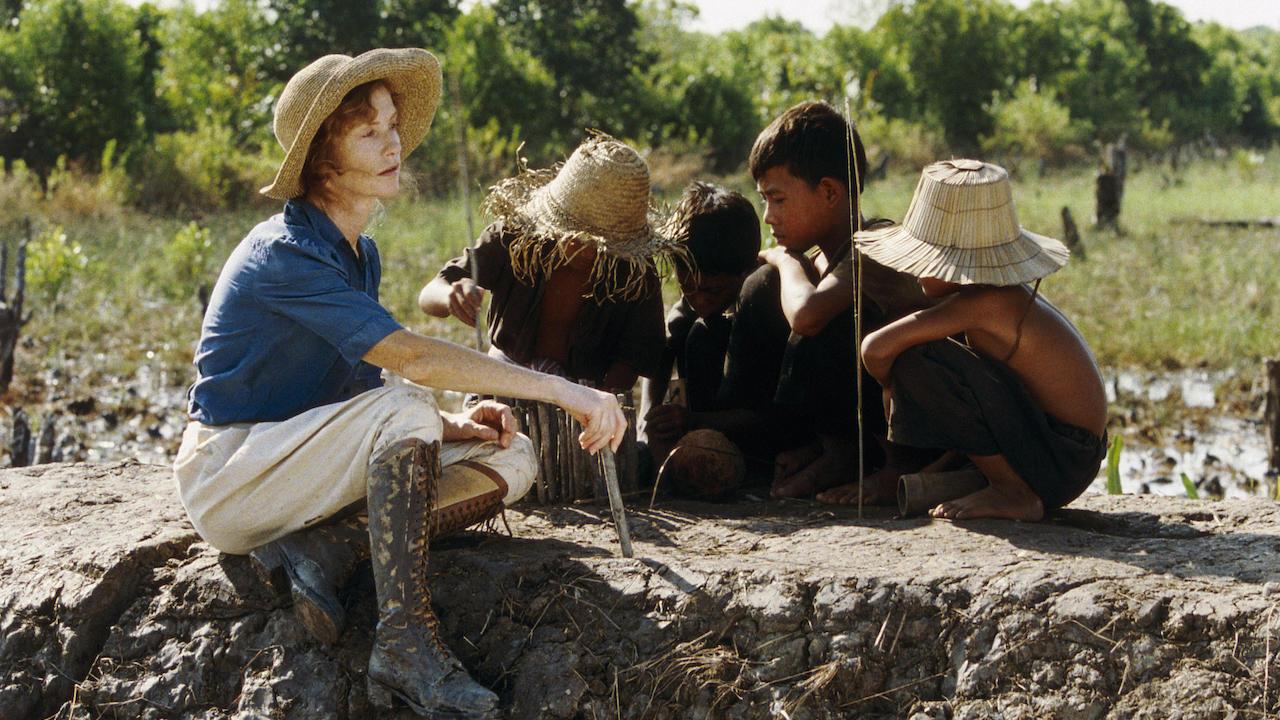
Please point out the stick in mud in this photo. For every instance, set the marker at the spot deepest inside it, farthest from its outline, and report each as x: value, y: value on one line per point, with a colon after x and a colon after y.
x: 615, y: 502
x: 563, y: 474
x: 546, y: 451
x: 1272, y: 416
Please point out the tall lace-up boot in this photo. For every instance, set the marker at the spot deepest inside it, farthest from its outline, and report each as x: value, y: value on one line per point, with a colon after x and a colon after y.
x: 409, y: 661
x: 314, y: 565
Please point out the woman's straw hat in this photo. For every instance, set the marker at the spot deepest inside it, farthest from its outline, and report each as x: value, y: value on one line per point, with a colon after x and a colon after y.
x: 316, y: 91
x: 598, y: 198
x: 961, y: 227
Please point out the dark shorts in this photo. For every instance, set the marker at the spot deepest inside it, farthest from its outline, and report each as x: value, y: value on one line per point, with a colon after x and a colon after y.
x: 949, y: 397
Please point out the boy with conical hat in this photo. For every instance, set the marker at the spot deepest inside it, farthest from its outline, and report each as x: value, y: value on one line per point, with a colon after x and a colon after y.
x: 571, y: 261
x: 1021, y: 396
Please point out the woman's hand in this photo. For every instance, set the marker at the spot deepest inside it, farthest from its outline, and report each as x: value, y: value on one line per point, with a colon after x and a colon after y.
x: 465, y: 297
x: 486, y: 420
x: 603, y: 423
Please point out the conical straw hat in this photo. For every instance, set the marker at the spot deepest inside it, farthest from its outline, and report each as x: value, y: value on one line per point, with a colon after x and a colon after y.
x: 599, y: 197
x: 316, y: 91
x: 961, y: 227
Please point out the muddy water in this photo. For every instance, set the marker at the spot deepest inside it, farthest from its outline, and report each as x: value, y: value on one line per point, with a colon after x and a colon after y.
x: 1206, y: 424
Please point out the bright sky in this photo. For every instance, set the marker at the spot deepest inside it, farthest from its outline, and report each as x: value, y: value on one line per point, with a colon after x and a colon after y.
x: 818, y: 15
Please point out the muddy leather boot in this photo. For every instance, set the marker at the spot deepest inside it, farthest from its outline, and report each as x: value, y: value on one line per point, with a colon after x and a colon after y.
x: 314, y: 565
x: 409, y: 661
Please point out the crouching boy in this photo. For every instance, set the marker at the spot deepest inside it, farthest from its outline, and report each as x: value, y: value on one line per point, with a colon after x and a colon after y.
x: 571, y: 265
x: 722, y: 233
x: 1020, y: 396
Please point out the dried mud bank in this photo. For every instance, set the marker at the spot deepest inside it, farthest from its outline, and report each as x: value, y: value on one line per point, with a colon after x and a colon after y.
x: 110, y: 606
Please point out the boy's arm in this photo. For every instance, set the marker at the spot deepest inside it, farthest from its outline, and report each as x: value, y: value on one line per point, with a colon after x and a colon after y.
x: 458, y: 289
x: 460, y: 298
x: 807, y: 306
x: 959, y: 313
x: 654, y: 389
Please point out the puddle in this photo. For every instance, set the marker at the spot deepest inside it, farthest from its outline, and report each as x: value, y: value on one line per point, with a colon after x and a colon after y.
x: 1196, y: 422
x: 1203, y: 423
x: 1226, y: 459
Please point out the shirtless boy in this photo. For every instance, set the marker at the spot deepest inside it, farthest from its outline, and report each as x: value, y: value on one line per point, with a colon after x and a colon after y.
x: 1021, y: 397
x: 571, y: 265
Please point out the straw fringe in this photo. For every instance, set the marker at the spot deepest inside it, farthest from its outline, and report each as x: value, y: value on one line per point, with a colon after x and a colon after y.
x: 631, y: 253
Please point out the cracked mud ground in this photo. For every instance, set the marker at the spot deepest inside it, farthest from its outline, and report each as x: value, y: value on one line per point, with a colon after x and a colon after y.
x: 1124, y: 607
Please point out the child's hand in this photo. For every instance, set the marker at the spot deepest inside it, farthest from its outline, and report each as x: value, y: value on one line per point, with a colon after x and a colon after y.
x: 465, y: 297
x: 667, y: 422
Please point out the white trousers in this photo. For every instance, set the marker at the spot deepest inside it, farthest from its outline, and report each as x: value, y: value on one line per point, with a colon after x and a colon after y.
x: 246, y: 484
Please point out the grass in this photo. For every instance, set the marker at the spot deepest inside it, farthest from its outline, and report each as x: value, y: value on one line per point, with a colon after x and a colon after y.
x: 1113, y: 466
x: 1164, y: 292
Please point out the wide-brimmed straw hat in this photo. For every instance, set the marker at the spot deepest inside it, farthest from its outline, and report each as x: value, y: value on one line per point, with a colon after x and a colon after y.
x: 599, y: 198
x: 316, y: 91
x: 961, y: 227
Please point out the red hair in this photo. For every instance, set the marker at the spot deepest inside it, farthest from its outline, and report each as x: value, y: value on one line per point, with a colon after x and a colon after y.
x: 357, y: 107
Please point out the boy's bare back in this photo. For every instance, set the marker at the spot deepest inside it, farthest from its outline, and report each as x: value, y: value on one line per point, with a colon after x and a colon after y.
x: 1052, y: 359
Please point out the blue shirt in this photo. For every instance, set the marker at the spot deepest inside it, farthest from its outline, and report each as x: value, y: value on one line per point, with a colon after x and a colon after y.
x: 291, y: 316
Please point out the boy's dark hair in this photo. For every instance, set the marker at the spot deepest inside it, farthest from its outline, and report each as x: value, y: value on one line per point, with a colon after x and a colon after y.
x: 811, y: 140
x: 720, y: 228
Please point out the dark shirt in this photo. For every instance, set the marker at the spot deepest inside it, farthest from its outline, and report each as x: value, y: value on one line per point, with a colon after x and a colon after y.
x: 699, y: 348
x: 603, y: 333
x: 291, y: 316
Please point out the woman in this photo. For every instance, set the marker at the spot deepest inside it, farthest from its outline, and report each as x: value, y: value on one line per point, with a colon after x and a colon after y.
x: 290, y: 424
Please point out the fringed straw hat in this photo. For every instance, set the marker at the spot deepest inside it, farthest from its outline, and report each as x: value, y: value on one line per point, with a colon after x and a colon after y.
x: 598, y: 198
x: 316, y: 91
x: 961, y: 227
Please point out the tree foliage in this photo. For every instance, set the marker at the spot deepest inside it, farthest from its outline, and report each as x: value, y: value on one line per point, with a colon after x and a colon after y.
x: 186, y: 91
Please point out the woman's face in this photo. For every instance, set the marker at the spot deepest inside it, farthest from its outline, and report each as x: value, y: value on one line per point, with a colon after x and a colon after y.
x: 368, y: 155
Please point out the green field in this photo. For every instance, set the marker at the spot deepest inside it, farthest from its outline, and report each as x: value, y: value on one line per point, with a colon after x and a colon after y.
x: 1167, y: 291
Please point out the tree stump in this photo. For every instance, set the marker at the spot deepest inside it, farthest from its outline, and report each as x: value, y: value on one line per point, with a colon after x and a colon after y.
x: 1071, y: 234
x: 20, y: 440
x: 11, y: 317
x: 1109, y: 189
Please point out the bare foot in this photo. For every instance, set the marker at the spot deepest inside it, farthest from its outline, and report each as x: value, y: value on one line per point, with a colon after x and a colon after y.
x: 789, y: 476
x: 992, y: 502
x: 790, y: 462
x: 833, y: 464
x: 880, y: 488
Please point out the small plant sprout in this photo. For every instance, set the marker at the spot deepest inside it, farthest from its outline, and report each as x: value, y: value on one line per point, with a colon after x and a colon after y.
x: 1190, y: 487
x: 1113, y: 466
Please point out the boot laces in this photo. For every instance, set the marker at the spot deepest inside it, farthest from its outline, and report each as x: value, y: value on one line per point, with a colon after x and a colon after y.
x: 425, y: 473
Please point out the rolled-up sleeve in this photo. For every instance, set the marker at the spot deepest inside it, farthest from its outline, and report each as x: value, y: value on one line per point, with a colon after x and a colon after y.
x: 489, y: 262
x: 309, y: 286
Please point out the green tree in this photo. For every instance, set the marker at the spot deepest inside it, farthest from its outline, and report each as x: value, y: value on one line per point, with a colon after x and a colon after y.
x: 216, y: 68
x: 416, y: 23
x: 591, y: 50
x: 72, y: 73
x: 957, y: 61
x: 1033, y: 124
x: 309, y: 29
